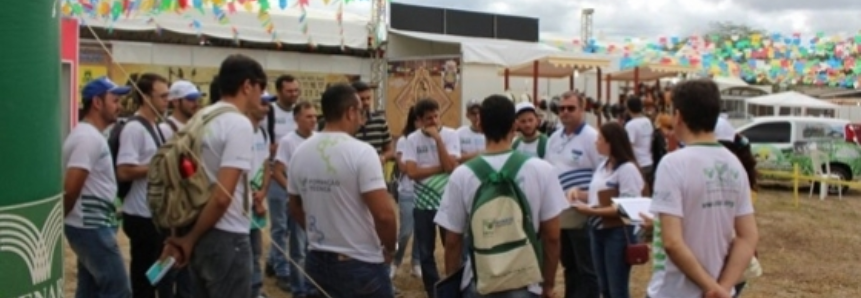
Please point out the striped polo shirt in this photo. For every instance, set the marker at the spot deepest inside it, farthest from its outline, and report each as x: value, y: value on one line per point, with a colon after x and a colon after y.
x: 575, y: 158
x: 375, y: 131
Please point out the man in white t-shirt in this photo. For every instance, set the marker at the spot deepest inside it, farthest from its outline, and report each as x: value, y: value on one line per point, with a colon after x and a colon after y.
x: 431, y: 155
x: 701, y: 199
x: 90, y: 180
x: 572, y: 152
x: 471, y: 137
x: 640, y: 131
x: 537, y: 181
x: 723, y: 130
x: 218, y: 242
x: 139, y: 139
x: 306, y: 119
x: 278, y: 124
x: 184, y: 100
x: 259, y: 182
x: 530, y: 141
x: 339, y: 196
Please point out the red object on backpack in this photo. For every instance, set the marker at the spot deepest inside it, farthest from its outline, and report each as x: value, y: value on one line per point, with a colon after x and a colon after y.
x: 186, y: 167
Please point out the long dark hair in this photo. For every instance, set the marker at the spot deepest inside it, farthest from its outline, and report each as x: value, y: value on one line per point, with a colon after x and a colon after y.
x: 741, y: 148
x: 410, y: 126
x: 620, y: 146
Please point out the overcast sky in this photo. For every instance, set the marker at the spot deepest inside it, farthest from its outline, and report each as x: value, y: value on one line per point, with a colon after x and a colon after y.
x: 653, y: 18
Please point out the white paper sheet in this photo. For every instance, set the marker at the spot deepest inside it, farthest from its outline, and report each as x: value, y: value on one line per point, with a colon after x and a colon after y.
x: 634, y: 206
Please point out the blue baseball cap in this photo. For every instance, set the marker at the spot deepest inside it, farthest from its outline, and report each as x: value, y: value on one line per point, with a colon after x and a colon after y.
x: 184, y: 90
x: 268, y: 97
x: 101, y: 86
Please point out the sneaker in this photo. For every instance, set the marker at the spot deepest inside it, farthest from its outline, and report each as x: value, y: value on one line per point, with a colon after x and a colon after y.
x: 392, y: 270
x: 283, y: 284
x: 417, y: 271
x: 270, y: 271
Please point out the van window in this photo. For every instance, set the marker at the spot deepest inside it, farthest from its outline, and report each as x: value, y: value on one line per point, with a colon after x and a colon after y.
x: 771, y: 132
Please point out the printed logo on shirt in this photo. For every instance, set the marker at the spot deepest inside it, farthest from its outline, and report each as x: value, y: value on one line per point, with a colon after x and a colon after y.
x: 281, y: 120
x: 720, y: 175
x: 425, y: 149
x: 576, y: 154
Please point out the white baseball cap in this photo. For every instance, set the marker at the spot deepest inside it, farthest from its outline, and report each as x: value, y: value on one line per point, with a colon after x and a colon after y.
x: 523, y: 107
x: 184, y: 90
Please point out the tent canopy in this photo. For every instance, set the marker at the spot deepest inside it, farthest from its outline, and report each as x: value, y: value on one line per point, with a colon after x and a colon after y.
x: 559, y: 65
x: 791, y: 99
x: 323, y: 27
x: 729, y: 82
x: 478, y: 50
x: 650, y: 72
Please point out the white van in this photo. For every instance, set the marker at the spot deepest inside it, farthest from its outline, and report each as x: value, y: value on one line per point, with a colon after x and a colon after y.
x: 778, y: 142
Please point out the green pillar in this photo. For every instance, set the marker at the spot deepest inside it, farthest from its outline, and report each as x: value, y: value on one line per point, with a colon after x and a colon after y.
x: 31, y: 210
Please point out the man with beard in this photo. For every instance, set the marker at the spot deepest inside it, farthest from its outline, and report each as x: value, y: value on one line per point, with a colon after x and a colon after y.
x: 90, y: 181
x: 531, y: 141
x: 184, y: 100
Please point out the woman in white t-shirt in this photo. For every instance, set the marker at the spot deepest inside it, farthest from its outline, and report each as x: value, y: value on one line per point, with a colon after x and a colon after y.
x: 406, y: 201
x: 618, y: 176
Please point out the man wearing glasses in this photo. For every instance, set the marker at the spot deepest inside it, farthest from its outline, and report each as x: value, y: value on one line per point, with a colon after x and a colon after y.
x: 571, y: 150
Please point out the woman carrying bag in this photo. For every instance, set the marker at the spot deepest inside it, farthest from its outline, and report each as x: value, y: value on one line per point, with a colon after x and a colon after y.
x: 612, y: 240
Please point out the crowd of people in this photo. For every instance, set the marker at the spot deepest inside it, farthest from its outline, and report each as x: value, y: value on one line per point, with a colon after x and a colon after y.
x: 509, y: 201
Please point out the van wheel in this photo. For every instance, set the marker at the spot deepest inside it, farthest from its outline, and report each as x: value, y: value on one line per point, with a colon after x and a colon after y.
x: 838, y: 171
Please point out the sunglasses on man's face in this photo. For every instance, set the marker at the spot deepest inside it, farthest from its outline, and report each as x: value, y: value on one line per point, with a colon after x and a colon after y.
x: 567, y: 108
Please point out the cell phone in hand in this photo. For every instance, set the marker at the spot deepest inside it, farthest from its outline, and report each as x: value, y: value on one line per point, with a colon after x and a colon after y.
x: 158, y: 270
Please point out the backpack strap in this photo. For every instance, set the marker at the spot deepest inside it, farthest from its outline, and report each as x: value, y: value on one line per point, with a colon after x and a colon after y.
x: 172, y: 125
x: 156, y: 135
x: 516, y: 143
x: 217, y: 112
x: 270, y: 123
x: 542, y: 145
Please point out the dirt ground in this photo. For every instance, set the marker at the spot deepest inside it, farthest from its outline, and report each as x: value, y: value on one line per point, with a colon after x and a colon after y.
x: 808, y: 251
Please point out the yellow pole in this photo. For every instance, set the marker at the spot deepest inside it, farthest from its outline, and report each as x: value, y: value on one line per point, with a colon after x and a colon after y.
x: 796, y: 174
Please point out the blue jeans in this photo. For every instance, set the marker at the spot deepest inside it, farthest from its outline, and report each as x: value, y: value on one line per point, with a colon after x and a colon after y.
x: 101, y: 269
x: 298, y: 247
x: 472, y: 292
x: 221, y: 265
x: 425, y: 242
x: 406, y: 203
x: 277, y: 200
x: 256, y: 271
x: 343, y: 277
x: 608, y: 254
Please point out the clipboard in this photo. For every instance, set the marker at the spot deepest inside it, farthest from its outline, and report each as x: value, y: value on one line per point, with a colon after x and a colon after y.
x: 449, y: 287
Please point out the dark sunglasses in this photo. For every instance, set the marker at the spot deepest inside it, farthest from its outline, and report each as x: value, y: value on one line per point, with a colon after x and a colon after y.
x: 567, y: 108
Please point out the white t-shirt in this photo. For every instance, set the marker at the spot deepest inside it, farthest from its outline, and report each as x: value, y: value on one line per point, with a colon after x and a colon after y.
x: 228, y: 143
x: 626, y: 178
x: 261, y: 156
x: 284, y: 122
x: 330, y: 171
x: 167, y: 130
x: 422, y: 150
x: 531, y: 147
x: 640, y: 132
x: 287, y: 146
x: 574, y: 158
x: 87, y: 149
x: 137, y: 147
x: 536, y: 179
x: 470, y: 141
x: 405, y: 184
x: 708, y: 188
x: 724, y: 130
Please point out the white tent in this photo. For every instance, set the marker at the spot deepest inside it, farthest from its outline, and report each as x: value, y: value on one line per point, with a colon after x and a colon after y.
x: 323, y: 27
x: 792, y: 102
x: 502, y: 53
x: 729, y: 82
x: 791, y: 99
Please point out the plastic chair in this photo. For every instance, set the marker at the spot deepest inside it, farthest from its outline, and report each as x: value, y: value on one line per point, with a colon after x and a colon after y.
x: 822, y: 169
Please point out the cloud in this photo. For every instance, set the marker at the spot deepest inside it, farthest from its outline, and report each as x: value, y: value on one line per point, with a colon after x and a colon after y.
x: 637, y: 18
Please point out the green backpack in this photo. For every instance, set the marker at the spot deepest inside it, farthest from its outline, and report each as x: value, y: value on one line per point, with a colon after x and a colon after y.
x: 542, y: 144
x: 504, y: 246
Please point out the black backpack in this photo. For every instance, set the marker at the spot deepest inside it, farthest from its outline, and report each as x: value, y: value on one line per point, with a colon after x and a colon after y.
x: 123, y: 187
